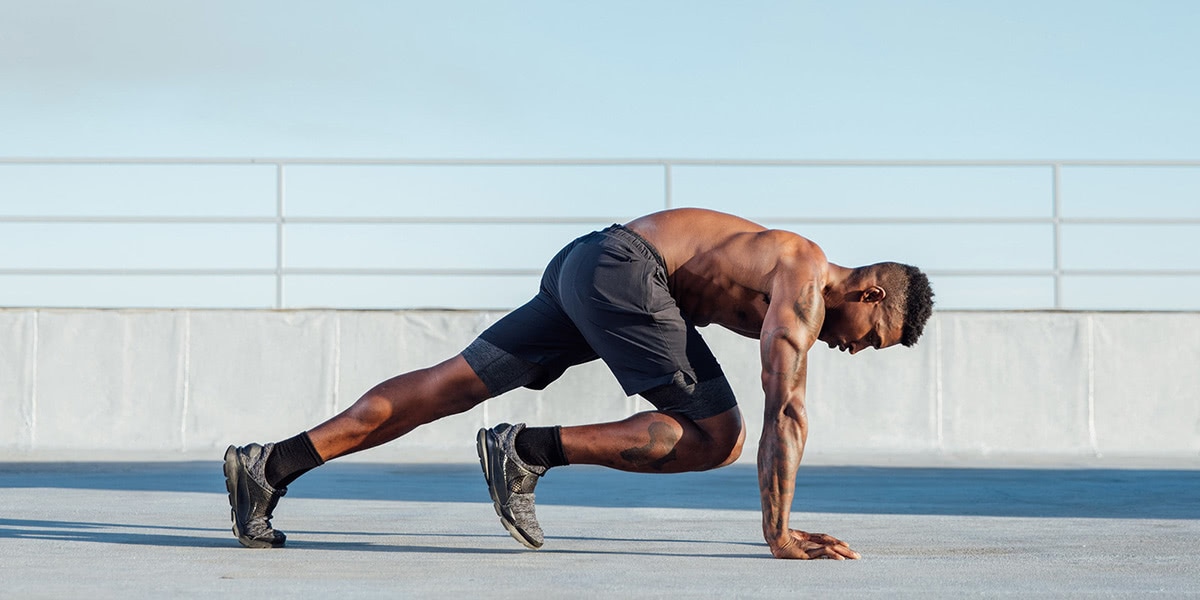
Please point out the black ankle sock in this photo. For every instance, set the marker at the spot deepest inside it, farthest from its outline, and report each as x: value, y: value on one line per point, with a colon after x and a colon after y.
x: 541, y: 446
x: 290, y: 459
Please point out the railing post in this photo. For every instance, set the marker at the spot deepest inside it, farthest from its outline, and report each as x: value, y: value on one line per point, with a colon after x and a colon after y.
x: 667, y: 186
x: 279, y: 247
x: 1057, y: 221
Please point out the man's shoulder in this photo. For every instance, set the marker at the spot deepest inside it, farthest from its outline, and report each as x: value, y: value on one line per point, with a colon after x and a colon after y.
x: 792, y: 250
x: 683, y: 235
x: 694, y: 220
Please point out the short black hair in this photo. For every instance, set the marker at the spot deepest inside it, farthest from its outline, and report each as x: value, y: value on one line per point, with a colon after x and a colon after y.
x: 913, y: 297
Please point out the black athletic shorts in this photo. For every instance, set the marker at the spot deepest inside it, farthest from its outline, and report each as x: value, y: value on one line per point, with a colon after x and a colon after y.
x: 604, y: 296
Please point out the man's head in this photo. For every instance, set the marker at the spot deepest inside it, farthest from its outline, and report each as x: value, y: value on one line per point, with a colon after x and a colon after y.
x: 877, y: 306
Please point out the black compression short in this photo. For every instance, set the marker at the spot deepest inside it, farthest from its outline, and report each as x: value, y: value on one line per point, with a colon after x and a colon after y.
x: 605, y: 296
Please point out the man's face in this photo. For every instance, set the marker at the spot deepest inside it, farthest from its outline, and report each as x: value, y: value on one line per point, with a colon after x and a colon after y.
x: 858, y: 324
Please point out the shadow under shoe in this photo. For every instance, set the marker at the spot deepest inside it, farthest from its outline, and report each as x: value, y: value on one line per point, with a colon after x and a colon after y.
x: 510, y: 482
x: 251, y: 498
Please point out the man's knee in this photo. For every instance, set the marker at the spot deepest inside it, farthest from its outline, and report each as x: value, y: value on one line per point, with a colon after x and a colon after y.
x: 445, y: 389
x: 497, y: 369
x: 456, y: 383
x: 735, y: 448
x: 712, y: 407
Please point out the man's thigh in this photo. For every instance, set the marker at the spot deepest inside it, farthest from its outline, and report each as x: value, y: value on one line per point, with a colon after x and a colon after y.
x: 706, y: 395
x: 529, y: 347
x: 623, y: 309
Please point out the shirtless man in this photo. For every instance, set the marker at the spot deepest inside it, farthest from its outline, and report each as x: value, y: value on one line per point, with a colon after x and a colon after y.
x: 633, y: 296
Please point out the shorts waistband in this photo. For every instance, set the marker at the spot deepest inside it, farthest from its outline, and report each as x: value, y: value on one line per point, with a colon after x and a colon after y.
x: 622, y: 232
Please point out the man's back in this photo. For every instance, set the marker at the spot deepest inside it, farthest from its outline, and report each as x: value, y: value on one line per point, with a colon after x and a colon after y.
x: 722, y: 268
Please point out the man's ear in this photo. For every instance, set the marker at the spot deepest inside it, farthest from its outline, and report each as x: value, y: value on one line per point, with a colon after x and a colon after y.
x: 873, y: 294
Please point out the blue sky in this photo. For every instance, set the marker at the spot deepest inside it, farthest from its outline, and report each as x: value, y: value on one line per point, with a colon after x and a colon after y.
x: 856, y: 79
x: 696, y: 79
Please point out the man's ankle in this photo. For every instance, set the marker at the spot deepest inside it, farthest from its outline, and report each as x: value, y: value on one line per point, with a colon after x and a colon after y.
x: 290, y: 459
x: 541, y: 446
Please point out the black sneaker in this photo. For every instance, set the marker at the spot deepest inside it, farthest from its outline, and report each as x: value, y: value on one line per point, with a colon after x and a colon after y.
x: 251, y: 498
x: 510, y: 481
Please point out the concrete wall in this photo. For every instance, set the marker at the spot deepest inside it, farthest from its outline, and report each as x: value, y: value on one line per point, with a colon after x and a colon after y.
x: 192, y: 381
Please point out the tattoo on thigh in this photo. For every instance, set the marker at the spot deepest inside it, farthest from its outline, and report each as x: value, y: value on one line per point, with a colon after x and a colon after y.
x: 662, y: 438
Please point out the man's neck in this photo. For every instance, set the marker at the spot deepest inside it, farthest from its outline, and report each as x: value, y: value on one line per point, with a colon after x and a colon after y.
x: 837, y: 279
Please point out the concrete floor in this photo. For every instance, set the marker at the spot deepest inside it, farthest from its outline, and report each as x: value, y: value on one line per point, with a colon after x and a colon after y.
x: 142, y: 529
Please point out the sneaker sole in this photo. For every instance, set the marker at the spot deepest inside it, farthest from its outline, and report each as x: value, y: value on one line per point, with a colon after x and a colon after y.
x: 231, y: 485
x: 483, y: 448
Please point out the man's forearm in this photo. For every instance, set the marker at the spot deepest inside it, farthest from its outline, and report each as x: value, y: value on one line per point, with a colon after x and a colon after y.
x: 785, y: 423
x: 779, y: 453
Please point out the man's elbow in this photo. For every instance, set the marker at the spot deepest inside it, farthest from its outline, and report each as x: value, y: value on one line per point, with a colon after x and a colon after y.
x: 789, y: 415
x: 795, y: 412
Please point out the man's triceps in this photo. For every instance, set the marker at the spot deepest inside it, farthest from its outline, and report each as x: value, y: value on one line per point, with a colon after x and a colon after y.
x: 791, y: 328
x: 781, y: 352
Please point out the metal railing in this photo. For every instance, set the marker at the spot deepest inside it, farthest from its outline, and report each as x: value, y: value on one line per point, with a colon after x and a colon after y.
x: 281, y: 219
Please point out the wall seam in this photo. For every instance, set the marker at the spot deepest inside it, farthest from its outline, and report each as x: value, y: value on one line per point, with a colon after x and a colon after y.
x: 1091, y: 385
x: 938, y: 398
x: 187, y: 380
x: 33, y: 382
x: 337, y: 363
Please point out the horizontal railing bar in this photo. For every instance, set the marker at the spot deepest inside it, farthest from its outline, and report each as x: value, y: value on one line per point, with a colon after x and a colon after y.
x: 1062, y: 272
x: 980, y: 220
x: 456, y: 220
x: 1131, y: 272
x: 272, y: 272
x: 455, y: 162
x: 929, y: 163
x: 134, y: 219
x: 509, y: 272
x: 465, y: 272
x: 736, y: 162
x: 1129, y: 221
x: 587, y: 220
x: 133, y: 271
x: 319, y: 220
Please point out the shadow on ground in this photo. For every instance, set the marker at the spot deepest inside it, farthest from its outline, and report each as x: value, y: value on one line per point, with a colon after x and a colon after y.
x: 168, y: 536
x: 1083, y: 493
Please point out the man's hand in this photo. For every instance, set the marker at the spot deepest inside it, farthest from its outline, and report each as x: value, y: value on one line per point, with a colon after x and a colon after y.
x: 806, y: 546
